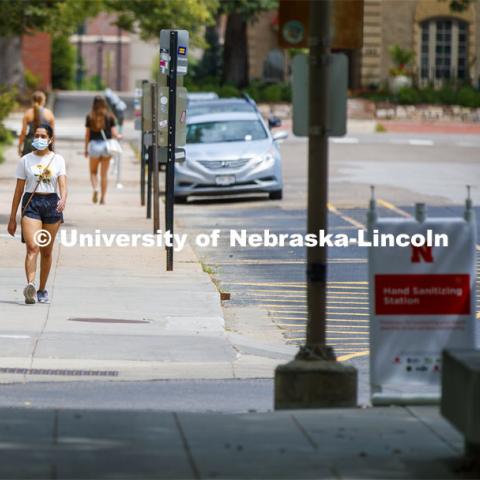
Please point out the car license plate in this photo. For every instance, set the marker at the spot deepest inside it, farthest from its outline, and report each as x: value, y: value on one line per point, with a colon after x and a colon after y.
x: 224, y: 180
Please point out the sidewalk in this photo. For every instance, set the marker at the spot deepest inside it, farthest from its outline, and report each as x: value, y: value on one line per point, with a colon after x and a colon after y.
x: 374, y: 443
x: 115, y: 313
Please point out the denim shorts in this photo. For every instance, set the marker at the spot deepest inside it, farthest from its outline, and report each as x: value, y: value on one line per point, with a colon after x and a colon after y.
x: 97, y: 148
x: 42, y: 207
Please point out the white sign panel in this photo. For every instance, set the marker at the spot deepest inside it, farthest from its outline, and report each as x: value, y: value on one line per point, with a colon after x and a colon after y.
x: 422, y: 300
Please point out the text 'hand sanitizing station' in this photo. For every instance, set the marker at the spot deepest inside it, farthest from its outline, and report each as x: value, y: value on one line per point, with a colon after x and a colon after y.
x: 422, y: 300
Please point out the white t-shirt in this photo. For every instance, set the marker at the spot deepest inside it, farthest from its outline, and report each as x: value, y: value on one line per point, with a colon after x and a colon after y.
x: 31, y: 166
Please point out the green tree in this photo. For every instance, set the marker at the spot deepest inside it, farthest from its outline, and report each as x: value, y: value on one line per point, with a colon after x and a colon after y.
x: 63, y: 63
x: 148, y: 17
x: 235, y: 49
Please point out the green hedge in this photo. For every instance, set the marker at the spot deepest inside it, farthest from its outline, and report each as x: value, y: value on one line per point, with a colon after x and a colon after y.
x: 7, y: 102
x: 465, y: 96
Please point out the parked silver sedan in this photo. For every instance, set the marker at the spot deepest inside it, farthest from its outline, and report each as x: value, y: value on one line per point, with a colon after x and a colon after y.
x: 229, y: 153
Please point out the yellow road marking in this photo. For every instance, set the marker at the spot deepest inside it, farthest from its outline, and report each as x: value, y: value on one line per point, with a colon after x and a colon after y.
x: 349, y: 356
x: 393, y: 208
x: 363, y: 327
x: 340, y: 287
x: 284, y: 300
x: 348, y: 303
x: 267, y: 305
x: 348, y: 219
x: 349, y: 313
x: 348, y: 297
x: 350, y: 320
x: 280, y: 301
x: 284, y: 294
x: 402, y: 212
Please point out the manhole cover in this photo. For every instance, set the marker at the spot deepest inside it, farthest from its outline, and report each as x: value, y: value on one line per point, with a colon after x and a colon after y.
x: 107, y: 320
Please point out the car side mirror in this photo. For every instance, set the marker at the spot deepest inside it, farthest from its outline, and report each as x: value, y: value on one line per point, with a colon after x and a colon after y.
x: 274, y: 122
x: 281, y: 135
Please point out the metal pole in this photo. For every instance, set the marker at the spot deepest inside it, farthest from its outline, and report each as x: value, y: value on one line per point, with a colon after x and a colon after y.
x: 151, y: 155
x: 142, y: 153
x: 79, y: 75
x: 318, y: 181
x: 149, y: 180
x: 99, y: 63
x: 170, y: 169
x: 119, y: 59
x: 156, y: 196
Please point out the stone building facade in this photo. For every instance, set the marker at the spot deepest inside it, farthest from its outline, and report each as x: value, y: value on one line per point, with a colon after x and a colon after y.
x: 446, y: 43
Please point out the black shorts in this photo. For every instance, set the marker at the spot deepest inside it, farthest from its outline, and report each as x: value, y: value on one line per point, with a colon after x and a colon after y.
x: 42, y: 207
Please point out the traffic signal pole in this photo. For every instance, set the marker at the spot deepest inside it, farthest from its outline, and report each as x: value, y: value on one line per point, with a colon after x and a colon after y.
x: 314, y: 379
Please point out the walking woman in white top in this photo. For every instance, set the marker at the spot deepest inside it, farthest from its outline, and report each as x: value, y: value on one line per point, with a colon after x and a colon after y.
x: 42, y: 189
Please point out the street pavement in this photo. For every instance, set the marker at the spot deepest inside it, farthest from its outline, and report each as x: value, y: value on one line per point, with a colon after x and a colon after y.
x: 115, y: 312
x: 383, y: 443
x: 267, y: 285
x: 190, y: 354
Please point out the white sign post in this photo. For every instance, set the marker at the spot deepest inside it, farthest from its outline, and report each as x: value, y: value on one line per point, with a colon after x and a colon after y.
x: 422, y: 300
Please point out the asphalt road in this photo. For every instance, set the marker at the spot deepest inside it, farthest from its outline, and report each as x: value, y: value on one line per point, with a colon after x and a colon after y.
x: 226, y: 396
x: 269, y: 283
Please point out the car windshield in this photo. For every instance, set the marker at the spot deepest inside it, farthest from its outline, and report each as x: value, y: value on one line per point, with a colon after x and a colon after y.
x: 232, y: 131
x: 203, y: 109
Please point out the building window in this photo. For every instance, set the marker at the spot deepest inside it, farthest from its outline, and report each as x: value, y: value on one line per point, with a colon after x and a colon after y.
x: 444, y: 50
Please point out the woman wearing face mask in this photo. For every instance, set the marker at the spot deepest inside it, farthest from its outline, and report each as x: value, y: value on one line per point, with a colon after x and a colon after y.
x: 33, y: 117
x: 42, y: 189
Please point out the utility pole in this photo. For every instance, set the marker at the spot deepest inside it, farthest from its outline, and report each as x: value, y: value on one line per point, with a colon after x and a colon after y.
x: 79, y: 73
x: 314, y: 379
x: 119, y: 59
x: 317, y: 213
x: 99, y: 63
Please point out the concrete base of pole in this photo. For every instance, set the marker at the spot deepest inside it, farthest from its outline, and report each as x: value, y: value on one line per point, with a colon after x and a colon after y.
x: 303, y: 384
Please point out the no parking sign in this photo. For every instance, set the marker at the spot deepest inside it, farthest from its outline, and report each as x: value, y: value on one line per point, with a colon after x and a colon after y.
x: 422, y: 300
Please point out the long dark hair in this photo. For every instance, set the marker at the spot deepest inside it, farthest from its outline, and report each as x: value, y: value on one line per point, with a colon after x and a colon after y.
x: 49, y: 130
x: 99, y: 113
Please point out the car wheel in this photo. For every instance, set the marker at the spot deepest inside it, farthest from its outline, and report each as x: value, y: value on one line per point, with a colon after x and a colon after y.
x: 276, y: 195
x: 181, y: 199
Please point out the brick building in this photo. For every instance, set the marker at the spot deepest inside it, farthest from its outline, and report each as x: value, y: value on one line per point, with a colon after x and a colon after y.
x: 105, y: 51
x: 36, y: 58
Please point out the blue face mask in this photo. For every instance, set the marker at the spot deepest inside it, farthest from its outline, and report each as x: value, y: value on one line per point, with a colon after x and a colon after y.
x: 40, y: 143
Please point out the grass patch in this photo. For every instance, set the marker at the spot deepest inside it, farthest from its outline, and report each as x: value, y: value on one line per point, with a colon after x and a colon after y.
x: 208, y: 269
x: 379, y: 128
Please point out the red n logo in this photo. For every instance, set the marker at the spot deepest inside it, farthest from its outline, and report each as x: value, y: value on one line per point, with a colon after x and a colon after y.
x: 422, y: 253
